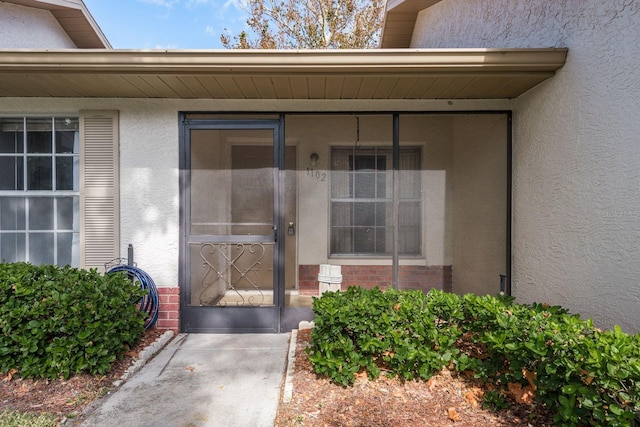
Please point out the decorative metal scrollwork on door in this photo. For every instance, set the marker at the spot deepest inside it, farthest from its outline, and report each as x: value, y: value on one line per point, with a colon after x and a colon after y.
x: 232, y: 274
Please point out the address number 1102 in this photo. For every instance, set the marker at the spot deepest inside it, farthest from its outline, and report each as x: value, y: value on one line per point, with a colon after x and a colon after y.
x: 316, y: 174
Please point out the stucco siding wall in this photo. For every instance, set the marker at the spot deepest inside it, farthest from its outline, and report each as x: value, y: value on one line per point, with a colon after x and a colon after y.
x: 149, y: 192
x: 576, y: 159
x: 28, y: 28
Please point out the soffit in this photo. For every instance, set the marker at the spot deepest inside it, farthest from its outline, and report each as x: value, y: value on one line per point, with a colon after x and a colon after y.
x: 74, y: 18
x: 264, y: 74
x: 400, y: 20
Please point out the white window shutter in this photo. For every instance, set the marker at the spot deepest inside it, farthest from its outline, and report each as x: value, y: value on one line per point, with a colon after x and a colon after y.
x: 99, y: 188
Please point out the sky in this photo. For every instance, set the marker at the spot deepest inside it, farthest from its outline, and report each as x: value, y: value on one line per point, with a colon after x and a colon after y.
x: 167, y: 24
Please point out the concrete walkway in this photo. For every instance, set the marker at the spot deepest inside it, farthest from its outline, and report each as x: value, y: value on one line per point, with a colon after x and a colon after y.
x: 202, y: 380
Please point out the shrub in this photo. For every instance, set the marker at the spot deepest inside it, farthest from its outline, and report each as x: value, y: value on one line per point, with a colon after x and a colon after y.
x: 586, y: 376
x: 370, y: 330
x: 55, y: 321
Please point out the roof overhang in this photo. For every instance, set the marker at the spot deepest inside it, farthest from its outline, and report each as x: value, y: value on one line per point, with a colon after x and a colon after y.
x: 264, y: 74
x: 74, y: 18
x: 400, y: 20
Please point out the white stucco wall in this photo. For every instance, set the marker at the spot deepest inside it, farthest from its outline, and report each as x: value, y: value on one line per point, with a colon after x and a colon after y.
x: 149, y: 191
x: 28, y: 28
x: 576, y: 152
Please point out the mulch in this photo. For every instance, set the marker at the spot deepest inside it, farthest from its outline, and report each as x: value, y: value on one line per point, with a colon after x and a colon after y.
x: 446, y: 399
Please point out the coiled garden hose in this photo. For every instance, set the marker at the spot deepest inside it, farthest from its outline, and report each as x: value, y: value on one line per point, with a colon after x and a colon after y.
x: 148, y: 303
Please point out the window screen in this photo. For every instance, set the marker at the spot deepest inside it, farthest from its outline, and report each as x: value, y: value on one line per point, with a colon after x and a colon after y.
x: 362, y: 202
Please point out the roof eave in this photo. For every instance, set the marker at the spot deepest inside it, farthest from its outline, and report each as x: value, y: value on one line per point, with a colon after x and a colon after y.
x: 400, y: 20
x: 281, y: 61
x: 260, y: 74
x: 75, y: 19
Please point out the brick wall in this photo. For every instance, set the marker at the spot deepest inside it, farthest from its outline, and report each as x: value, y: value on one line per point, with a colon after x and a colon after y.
x: 169, y: 313
x: 370, y: 276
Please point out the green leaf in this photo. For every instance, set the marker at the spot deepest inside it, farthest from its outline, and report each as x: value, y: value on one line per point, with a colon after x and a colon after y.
x: 616, y: 409
x: 570, y: 388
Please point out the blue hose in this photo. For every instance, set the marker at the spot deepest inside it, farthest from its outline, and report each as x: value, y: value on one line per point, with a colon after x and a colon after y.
x: 149, y: 303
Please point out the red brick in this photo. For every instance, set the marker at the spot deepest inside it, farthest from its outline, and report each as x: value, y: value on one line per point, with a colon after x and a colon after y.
x: 170, y: 307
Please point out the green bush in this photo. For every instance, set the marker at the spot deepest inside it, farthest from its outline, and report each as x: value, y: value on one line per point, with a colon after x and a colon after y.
x: 586, y: 376
x: 55, y: 321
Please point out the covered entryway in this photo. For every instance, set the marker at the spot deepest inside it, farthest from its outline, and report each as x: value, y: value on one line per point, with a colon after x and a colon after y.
x: 409, y: 201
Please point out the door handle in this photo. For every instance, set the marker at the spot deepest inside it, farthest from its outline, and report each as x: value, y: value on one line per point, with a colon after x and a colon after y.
x: 291, y: 231
x: 275, y: 233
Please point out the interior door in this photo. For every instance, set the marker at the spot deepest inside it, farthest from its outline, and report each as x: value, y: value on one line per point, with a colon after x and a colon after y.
x: 232, y: 212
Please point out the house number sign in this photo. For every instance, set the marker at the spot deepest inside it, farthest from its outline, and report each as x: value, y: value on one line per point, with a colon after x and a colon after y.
x: 316, y: 174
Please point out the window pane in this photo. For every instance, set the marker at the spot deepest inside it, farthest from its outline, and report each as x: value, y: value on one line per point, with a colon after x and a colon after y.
x: 39, y: 136
x: 364, y: 176
x: 41, y: 248
x: 12, y: 247
x: 12, y: 210
x: 340, y: 184
x: 41, y: 213
x: 39, y: 173
x: 66, y: 135
x: 364, y: 214
x: 364, y: 240
x: 341, y: 240
x: 341, y: 213
x: 409, y: 242
x: 410, y: 175
x: 410, y: 214
x: 11, y: 173
x: 11, y: 136
x: 65, y: 176
x: 381, y: 181
x: 410, y: 237
x: 381, y: 240
x: 65, y: 249
x: 66, y: 209
x: 365, y: 162
x: 381, y: 213
x: 364, y: 185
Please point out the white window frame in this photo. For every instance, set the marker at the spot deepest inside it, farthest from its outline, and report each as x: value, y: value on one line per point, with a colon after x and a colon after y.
x: 388, y: 226
x: 29, y: 195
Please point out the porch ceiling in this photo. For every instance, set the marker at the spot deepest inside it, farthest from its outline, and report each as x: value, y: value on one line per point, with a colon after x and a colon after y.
x: 307, y: 74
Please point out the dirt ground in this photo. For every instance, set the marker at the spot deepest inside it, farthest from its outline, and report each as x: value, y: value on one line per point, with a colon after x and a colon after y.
x: 445, y: 400
x: 66, y: 398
